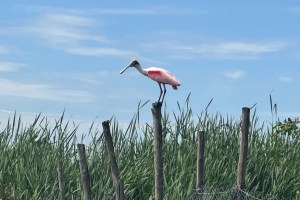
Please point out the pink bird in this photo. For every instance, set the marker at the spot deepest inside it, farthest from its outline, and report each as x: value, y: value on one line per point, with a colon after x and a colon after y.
x: 161, y: 76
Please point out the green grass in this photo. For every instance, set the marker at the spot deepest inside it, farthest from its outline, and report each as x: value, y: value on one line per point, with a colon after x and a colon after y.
x: 29, y: 156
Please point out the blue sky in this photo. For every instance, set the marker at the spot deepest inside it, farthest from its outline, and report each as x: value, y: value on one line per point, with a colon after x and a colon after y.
x: 66, y: 55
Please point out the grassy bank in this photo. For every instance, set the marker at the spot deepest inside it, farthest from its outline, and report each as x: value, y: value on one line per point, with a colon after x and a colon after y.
x: 29, y: 156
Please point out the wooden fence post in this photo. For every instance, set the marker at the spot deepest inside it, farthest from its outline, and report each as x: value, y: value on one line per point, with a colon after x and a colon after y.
x: 241, y: 172
x: 61, y: 184
x: 118, y: 183
x: 85, y: 176
x: 200, y: 164
x: 157, y: 144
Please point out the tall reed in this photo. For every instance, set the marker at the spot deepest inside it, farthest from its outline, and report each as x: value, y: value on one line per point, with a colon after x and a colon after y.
x: 29, y: 155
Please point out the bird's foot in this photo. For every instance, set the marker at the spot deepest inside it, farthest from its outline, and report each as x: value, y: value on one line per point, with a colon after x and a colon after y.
x: 158, y: 103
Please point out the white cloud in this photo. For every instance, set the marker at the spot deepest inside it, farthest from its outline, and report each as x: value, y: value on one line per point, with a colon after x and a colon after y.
x: 95, y: 78
x: 285, y: 78
x: 48, y: 9
x: 146, y: 10
x: 10, y: 66
x: 42, y: 91
x: 100, y: 51
x: 218, y: 50
x: 3, y: 49
x: 60, y: 29
x: 70, y: 33
x: 27, y: 118
x: 67, y: 19
x: 126, y: 11
x: 234, y: 74
x: 153, y: 10
x: 242, y: 47
x: 294, y: 10
x: 6, y: 111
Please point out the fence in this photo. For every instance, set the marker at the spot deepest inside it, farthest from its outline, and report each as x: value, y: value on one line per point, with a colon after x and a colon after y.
x: 109, y: 152
x: 238, y: 193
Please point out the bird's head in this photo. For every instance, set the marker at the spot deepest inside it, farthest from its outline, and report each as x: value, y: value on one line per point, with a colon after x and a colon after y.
x: 133, y: 63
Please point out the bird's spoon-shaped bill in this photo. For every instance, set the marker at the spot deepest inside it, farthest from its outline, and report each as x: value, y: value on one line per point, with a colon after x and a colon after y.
x: 123, y: 70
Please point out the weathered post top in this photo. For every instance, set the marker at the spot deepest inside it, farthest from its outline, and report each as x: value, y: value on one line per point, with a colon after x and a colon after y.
x: 118, y: 183
x: 157, y: 146
x: 242, y: 164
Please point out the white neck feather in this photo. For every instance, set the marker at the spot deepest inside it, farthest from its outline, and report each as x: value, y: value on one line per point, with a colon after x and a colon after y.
x: 141, y: 70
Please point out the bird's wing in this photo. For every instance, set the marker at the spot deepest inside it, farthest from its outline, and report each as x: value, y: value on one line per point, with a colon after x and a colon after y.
x: 162, y: 76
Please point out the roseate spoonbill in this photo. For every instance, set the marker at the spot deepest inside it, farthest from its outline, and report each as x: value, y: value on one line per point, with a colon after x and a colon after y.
x: 161, y: 76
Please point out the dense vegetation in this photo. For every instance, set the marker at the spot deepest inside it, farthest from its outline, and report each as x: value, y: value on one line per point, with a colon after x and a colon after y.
x: 29, y: 156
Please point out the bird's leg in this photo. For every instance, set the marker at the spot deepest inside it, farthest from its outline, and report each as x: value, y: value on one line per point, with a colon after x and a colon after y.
x: 165, y: 90
x: 161, y: 91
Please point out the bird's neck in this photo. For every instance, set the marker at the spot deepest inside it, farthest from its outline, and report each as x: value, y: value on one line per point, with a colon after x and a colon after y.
x: 141, y: 70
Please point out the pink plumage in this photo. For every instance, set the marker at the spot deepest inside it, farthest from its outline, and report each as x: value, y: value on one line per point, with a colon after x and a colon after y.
x: 162, y: 76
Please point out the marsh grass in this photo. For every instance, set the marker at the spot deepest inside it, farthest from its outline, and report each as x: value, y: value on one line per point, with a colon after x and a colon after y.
x: 29, y: 156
